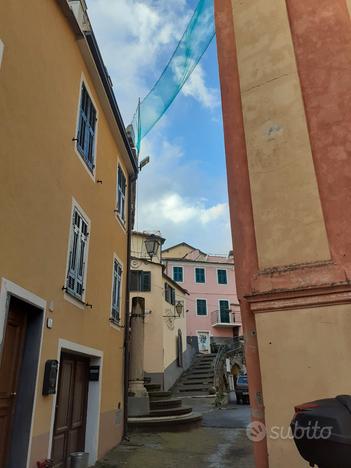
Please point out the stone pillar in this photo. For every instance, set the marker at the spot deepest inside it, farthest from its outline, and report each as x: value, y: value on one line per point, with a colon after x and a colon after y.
x: 138, y: 398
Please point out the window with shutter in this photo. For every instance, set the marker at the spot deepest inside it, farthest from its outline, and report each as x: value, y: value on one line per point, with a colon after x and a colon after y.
x: 77, y: 255
x: 169, y: 294
x: 116, y: 290
x: 134, y: 280
x: 146, y: 281
x: 87, y: 129
x: 200, y: 275
x: 201, y: 307
x: 140, y: 281
x: 178, y: 274
x: 121, y: 194
x: 222, y: 276
x: 224, y: 311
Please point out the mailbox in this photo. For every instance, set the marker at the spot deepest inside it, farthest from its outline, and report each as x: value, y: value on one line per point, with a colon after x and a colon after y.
x: 50, y: 377
x: 94, y: 373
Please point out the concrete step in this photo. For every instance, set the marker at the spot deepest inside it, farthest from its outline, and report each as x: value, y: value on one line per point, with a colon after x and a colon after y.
x: 195, y: 382
x: 197, y: 377
x: 158, y: 395
x: 199, y: 372
x: 167, y: 403
x: 152, y: 387
x: 171, y: 411
x: 166, y: 422
x: 193, y: 388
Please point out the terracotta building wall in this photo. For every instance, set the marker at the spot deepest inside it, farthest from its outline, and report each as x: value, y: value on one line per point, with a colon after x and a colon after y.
x: 285, y: 78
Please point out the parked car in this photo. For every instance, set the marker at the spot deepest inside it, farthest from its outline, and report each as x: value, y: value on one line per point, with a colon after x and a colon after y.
x: 242, y: 389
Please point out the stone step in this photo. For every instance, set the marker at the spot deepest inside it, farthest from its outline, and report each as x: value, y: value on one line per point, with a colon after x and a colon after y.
x: 147, y: 379
x: 167, y: 403
x: 171, y: 411
x: 197, y: 377
x: 193, y: 388
x: 192, y: 391
x: 198, y: 372
x: 158, y: 395
x: 195, y: 382
x: 166, y: 422
x: 152, y: 386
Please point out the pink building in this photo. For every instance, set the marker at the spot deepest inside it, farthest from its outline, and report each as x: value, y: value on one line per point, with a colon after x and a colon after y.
x: 213, y: 313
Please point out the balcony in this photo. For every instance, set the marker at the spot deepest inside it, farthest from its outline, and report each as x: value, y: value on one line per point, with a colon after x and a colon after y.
x: 226, y: 318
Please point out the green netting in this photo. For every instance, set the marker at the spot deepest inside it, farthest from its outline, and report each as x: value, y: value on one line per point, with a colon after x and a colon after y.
x: 197, y: 37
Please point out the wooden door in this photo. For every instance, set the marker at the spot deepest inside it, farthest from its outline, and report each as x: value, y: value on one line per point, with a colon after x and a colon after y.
x: 11, y: 359
x: 71, y: 409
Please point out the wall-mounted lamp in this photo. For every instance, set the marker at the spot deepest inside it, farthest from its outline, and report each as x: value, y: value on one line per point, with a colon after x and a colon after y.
x: 152, y: 244
x: 179, y: 307
x: 144, y: 162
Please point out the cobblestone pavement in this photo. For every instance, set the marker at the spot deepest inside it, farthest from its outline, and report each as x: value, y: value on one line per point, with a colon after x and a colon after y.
x: 219, y: 442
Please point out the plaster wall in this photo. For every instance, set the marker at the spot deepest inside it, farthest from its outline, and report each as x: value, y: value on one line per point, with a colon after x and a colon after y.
x: 178, y: 251
x: 40, y: 83
x: 211, y: 291
x: 303, y: 355
x: 160, y: 332
x: 288, y: 219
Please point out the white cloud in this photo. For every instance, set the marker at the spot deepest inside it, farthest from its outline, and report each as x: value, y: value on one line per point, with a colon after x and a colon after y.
x: 137, y: 38
x: 175, y: 193
x: 196, y: 87
x: 176, y: 209
x: 174, y: 197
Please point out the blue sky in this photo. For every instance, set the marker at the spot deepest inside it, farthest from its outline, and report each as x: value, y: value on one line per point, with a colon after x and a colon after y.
x: 183, y: 191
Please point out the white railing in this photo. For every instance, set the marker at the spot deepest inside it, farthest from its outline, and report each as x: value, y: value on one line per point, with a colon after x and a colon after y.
x: 225, y: 317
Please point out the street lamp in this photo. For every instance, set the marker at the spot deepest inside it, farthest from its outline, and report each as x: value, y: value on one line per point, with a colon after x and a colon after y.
x: 152, y: 244
x: 179, y: 308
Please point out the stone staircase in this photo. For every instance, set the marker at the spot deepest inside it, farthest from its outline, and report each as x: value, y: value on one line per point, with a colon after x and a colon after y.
x: 198, y: 379
x: 166, y: 413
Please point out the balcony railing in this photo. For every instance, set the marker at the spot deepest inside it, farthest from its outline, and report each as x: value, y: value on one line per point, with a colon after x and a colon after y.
x: 225, y: 318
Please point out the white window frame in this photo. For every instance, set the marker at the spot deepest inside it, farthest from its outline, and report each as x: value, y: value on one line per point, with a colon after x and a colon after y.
x: 199, y: 268
x: 2, y: 46
x: 222, y: 269
x: 122, y: 220
x: 178, y: 266
x: 92, y: 175
x: 201, y: 299
x: 68, y: 294
x: 112, y: 319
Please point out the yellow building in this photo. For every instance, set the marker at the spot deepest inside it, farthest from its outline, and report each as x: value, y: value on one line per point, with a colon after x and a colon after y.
x: 166, y: 354
x: 66, y: 170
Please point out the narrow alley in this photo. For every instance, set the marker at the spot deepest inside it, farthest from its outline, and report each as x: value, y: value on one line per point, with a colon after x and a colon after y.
x: 219, y: 441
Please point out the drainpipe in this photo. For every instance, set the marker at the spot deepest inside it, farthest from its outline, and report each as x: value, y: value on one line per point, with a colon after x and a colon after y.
x: 132, y: 179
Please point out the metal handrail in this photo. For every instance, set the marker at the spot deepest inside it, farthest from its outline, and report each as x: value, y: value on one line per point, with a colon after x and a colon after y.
x: 224, y: 352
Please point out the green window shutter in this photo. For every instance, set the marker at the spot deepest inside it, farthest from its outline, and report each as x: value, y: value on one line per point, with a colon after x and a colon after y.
x: 200, y: 275
x: 201, y: 307
x: 146, y: 281
x: 172, y: 296
x: 134, y: 280
x: 178, y: 274
x: 222, y: 276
